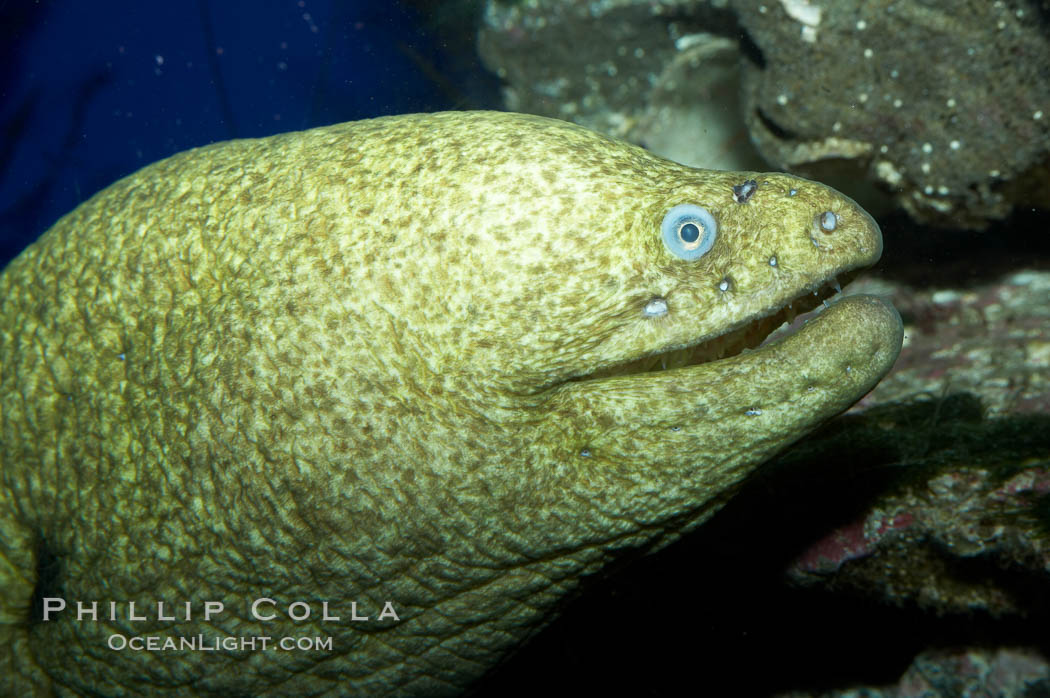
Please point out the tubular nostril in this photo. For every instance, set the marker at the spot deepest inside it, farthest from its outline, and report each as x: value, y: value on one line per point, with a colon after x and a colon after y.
x: 828, y: 221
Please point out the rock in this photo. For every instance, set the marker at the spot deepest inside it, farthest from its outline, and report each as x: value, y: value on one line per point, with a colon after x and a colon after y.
x: 991, y: 341
x: 959, y: 672
x: 968, y: 513
x: 944, y: 106
x: 665, y: 75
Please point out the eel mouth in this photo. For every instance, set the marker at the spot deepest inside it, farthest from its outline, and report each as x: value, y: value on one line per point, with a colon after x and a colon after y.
x: 739, y: 339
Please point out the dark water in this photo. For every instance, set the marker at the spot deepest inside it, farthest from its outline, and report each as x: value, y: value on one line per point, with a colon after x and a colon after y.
x: 93, y: 91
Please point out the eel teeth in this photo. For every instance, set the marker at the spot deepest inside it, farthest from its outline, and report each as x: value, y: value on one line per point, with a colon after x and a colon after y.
x: 833, y: 284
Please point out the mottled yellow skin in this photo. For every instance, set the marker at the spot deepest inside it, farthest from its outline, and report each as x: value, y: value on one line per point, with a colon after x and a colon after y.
x: 335, y: 365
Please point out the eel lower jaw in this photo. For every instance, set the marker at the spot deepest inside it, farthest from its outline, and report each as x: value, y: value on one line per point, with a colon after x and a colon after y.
x: 735, y: 341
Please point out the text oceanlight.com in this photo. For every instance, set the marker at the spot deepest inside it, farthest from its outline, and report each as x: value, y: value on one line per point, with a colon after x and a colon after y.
x: 200, y: 643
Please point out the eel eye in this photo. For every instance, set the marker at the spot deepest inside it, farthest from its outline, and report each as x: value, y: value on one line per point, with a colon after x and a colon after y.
x: 689, y: 231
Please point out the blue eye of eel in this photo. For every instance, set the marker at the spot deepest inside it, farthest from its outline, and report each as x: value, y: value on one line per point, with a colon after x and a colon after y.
x: 689, y: 231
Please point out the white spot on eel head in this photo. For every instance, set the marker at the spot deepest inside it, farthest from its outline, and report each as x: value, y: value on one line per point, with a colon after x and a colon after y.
x: 656, y: 307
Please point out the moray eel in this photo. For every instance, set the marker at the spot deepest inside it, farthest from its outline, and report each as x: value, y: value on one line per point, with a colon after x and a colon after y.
x: 429, y: 369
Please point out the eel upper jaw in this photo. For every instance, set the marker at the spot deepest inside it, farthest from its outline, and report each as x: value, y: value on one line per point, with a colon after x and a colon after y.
x: 744, y: 336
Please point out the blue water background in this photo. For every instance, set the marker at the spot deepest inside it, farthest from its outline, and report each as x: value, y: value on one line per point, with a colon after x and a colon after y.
x: 92, y: 91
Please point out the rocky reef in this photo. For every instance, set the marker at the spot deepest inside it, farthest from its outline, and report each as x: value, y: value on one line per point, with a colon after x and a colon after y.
x: 943, y: 108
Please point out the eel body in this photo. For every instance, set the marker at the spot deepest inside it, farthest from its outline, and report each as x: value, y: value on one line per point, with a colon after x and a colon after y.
x: 429, y: 369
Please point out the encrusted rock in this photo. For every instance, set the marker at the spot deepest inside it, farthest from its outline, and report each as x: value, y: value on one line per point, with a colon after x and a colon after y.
x: 945, y: 105
x: 1003, y: 672
x: 665, y: 74
x: 991, y: 341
